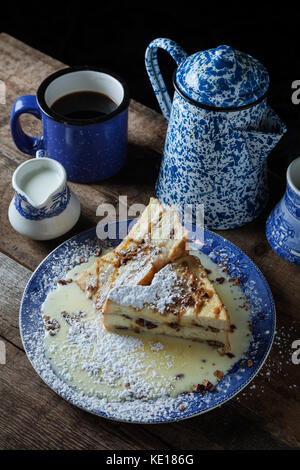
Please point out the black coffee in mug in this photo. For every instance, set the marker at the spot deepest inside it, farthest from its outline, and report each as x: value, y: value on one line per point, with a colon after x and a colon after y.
x: 84, y: 105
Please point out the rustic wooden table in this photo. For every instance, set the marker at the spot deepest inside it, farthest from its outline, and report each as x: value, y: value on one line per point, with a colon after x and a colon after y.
x: 266, y: 415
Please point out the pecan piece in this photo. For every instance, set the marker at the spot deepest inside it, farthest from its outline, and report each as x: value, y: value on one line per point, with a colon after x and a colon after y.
x: 91, y: 290
x: 230, y: 355
x: 51, y: 325
x: 208, y: 385
x: 199, y: 388
x: 219, y: 374
x: 72, y: 317
x: 188, y: 301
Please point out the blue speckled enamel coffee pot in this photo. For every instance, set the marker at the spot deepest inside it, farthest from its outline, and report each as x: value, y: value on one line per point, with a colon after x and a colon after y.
x: 219, y: 134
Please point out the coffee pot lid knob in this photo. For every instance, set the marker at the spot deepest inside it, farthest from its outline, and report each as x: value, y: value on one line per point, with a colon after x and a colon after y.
x: 222, y: 78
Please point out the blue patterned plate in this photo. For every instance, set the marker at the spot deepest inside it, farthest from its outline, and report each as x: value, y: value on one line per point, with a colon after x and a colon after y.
x: 164, y: 409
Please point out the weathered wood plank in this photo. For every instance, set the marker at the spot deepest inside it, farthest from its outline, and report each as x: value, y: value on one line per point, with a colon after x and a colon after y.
x: 136, y: 180
x: 266, y: 417
x: 23, y: 69
x: 13, y: 279
x: 29, y: 252
x: 252, y: 240
x: 22, y: 391
x: 42, y: 420
x: 249, y: 409
x: 34, y: 417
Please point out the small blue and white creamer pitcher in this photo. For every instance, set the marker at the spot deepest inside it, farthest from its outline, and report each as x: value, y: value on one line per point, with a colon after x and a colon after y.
x: 219, y: 134
x: 43, y: 206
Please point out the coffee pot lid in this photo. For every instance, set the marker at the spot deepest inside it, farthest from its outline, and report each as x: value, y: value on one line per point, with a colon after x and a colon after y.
x: 222, y: 78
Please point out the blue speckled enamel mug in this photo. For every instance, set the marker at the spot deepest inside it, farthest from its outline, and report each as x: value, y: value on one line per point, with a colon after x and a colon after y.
x: 91, y: 149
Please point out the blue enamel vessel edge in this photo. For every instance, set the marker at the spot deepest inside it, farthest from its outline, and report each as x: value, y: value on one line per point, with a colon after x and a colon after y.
x: 283, y: 223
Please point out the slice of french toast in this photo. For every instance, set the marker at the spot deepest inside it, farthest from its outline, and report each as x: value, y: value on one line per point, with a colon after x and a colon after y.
x: 156, y: 239
x: 181, y: 301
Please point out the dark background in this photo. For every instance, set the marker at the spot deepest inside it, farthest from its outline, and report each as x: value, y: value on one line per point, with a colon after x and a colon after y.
x: 115, y: 36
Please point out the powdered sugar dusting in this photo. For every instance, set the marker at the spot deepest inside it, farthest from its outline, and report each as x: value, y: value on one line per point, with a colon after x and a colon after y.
x: 120, y: 358
x: 160, y: 294
x: 157, y: 346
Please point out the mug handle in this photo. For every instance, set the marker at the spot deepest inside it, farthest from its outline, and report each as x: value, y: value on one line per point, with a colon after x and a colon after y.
x: 25, y: 105
x: 154, y: 73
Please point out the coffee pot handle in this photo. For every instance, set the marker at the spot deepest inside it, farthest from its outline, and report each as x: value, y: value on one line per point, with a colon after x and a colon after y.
x: 154, y: 73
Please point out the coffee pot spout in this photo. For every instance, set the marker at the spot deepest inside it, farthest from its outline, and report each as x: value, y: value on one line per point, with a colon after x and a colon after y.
x: 262, y: 141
